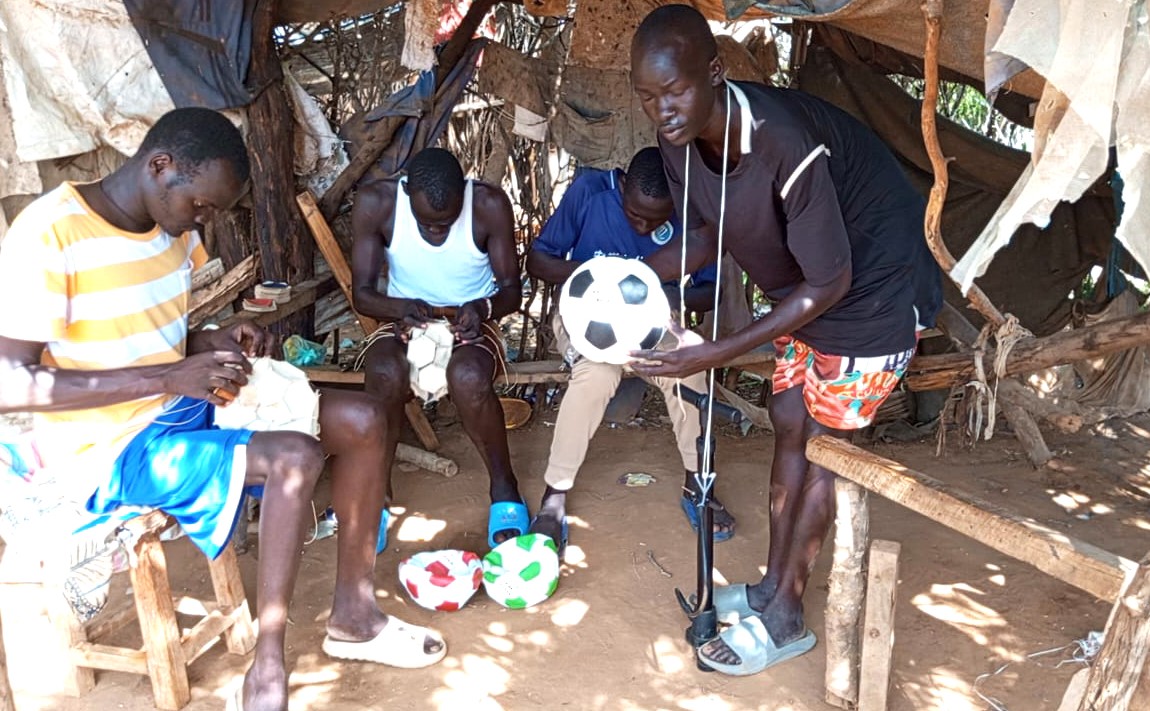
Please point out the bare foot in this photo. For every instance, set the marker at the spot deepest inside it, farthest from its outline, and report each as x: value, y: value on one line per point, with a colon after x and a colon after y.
x: 265, y: 687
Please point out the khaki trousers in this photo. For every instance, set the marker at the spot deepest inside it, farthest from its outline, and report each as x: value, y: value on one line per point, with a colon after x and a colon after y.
x: 591, y: 387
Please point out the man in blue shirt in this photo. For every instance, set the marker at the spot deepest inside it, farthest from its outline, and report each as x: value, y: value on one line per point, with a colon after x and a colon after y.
x: 631, y: 215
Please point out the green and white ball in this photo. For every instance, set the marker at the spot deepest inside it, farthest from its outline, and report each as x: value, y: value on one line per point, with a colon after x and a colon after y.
x: 522, y: 571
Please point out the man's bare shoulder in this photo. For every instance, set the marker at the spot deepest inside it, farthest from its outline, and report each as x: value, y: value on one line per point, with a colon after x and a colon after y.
x: 488, y: 197
x: 377, y: 194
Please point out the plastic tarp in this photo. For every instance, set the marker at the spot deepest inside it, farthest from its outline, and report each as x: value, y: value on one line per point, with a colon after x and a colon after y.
x: 201, y: 48
x: 1033, y: 276
x: 898, y: 24
x: 319, y: 153
x: 77, y: 76
x: 1096, y: 58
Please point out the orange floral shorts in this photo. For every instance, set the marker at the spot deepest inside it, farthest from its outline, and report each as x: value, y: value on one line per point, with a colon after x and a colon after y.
x: 842, y: 392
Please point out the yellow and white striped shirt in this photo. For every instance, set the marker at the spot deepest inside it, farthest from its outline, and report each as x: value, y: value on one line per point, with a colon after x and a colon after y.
x: 100, y: 298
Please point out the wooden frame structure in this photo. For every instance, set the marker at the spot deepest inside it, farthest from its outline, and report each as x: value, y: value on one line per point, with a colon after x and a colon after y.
x: 1123, y: 660
x: 166, y: 652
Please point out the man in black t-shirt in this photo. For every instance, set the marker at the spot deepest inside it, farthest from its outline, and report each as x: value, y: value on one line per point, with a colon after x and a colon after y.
x: 820, y: 216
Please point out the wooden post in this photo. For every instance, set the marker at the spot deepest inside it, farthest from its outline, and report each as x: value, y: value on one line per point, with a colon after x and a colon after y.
x: 932, y: 9
x: 1120, y: 675
x: 1031, y: 354
x: 167, y: 665
x: 1027, y: 432
x: 232, y: 236
x: 426, y: 460
x: 418, y: 421
x: 845, y: 597
x: 284, y: 253
x: 878, y: 629
x: 1025, y: 428
x: 329, y: 247
x: 229, y: 589
x: 1085, y: 566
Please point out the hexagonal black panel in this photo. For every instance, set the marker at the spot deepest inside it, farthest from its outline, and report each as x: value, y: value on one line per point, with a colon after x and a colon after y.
x: 634, y: 290
x: 580, y: 284
x: 600, y: 334
x: 652, y: 339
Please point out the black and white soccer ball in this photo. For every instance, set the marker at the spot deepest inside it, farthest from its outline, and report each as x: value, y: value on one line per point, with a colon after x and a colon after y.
x: 611, y: 306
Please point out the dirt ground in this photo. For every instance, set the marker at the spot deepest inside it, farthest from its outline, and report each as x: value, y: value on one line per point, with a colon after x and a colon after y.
x: 612, y: 636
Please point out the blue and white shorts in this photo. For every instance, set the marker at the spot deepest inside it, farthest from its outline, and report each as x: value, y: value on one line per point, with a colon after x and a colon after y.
x: 185, y: 466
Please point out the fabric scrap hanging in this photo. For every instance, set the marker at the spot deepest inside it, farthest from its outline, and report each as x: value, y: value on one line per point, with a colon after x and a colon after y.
x: 77, y: 76
x: 201, y: 48
x: 1097, y: 68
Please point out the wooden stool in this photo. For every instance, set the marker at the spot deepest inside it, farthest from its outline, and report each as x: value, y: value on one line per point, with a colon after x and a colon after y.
x: 165, y: 654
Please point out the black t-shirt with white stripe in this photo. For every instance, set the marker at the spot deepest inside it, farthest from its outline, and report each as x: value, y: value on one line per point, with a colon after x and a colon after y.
x: 814, y: 193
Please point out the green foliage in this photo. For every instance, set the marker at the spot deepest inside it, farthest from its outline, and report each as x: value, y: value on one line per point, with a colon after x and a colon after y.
x: 968, y: 108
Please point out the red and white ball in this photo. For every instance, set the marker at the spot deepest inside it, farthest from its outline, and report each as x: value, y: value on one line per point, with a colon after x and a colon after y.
x: 441, y: 580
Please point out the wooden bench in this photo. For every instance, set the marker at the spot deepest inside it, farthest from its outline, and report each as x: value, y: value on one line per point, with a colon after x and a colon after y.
x: 759, y: 361
x: 850, y: 684
x: 166, y: 652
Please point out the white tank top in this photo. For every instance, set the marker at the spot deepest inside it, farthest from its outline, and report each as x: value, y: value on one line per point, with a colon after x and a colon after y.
x: 451, y: 274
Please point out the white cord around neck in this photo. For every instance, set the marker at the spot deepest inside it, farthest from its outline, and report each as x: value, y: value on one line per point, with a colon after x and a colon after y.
x: 706, y: 479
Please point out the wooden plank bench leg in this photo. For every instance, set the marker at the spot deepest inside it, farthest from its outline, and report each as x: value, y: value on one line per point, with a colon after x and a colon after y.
x: 229, y: 589
x: 167, y: 665
x: 878, y: 629
x: 845, y: 597
x: 422, y: 427
x: 6, y: 701
x: 76, y: 680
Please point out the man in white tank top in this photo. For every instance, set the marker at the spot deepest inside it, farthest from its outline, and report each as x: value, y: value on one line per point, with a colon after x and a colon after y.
x: 449, y: 246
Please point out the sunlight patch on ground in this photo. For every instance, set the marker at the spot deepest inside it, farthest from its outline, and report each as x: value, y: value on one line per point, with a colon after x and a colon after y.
x: 322, y: 670
x: 417, y: 528
x: 940, y: 690
x: 955, y: 605
x: 472, y: 684
x: 459, y: 701
x: 37, y: 703
x: 665, y: 655
x: 998, y: 578
x: 499, y: 644
x: 709, y: 702
x: 575, y: 557
x: 311, y: 689
x: 1137, y: 523
x: 1069, y: 501
x: 569, y: 613
x: 539, y: 638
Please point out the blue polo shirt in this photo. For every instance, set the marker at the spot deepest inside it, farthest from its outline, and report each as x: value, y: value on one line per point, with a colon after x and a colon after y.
x: 590, y: 222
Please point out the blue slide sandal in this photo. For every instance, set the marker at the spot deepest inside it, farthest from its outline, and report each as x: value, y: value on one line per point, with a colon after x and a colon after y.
x: 507, y: 516
x: 381, y: 541
x: 689, y: 503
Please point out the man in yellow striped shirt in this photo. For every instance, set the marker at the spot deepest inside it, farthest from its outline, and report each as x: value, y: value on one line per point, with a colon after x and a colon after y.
x: 95, y: 282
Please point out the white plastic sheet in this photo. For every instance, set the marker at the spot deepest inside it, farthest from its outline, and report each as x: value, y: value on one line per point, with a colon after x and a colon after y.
x: 77, y: 76
x: 1095, y: 60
